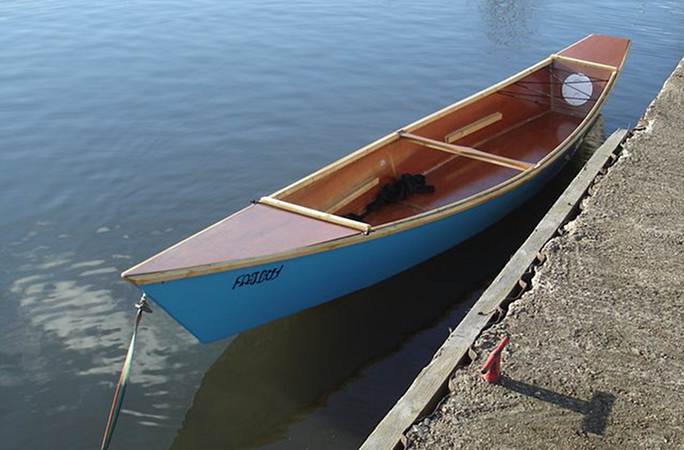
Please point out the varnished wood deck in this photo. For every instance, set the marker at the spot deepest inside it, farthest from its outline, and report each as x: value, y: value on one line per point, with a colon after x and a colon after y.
x: 255, y: 231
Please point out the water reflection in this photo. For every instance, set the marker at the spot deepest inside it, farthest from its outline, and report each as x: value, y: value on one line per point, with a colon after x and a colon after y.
x: 65, y: 334
x: 594, y: 137
x: 269, y: 375
x: 63, y: 298
x: 508, y: 22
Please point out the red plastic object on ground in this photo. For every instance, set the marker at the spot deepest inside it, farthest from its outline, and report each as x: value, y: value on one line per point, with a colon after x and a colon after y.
x: 491, y: 371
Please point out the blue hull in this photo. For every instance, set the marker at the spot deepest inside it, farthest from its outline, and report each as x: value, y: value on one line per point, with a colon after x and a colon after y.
x: 218, y: 305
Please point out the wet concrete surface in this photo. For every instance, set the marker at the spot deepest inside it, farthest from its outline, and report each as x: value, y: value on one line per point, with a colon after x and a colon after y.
x: 596, y: 358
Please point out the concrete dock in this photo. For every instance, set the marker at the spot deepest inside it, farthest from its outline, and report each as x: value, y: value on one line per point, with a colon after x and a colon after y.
x: 596, y: 358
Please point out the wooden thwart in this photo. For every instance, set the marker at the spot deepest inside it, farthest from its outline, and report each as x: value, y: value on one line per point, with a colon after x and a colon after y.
x: 315, y: 214
x: 468, y: 152
x: 584, y: 62
x: 472, y: 127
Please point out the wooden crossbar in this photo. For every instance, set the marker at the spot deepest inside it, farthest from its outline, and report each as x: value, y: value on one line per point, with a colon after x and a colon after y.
x: 315, y: 214
x: 584, y: 62
x: 468, y: 152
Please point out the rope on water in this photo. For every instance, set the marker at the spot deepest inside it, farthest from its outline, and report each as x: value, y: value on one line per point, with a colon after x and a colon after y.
x: 120, y: 390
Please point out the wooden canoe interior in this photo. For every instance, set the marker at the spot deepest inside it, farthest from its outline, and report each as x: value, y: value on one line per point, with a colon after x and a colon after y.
x: 468, y: 148
x: 524, y: 121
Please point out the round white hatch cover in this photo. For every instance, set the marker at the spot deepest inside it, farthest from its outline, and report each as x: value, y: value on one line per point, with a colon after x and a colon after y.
x: 577, y: 89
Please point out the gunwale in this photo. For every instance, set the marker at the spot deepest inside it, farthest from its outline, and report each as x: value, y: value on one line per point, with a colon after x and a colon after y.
x: 413, y: 221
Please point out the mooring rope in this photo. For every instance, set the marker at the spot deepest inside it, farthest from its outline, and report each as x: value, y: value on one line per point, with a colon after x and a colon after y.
x: 120, y: 390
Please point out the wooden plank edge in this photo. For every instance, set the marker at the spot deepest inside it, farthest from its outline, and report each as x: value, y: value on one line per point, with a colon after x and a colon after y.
x: 431, y: 383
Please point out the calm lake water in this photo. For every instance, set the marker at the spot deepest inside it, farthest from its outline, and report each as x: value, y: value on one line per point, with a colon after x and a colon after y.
x: 126, y: 126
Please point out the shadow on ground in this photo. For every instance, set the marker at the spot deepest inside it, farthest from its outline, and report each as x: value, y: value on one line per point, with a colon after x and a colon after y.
x: 595, y: 411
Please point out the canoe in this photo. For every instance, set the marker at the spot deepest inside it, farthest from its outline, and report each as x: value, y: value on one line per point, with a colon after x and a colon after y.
x: 388, y: 206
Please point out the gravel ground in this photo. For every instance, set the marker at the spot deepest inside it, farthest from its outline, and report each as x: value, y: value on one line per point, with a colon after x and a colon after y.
x: 596, y: 357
